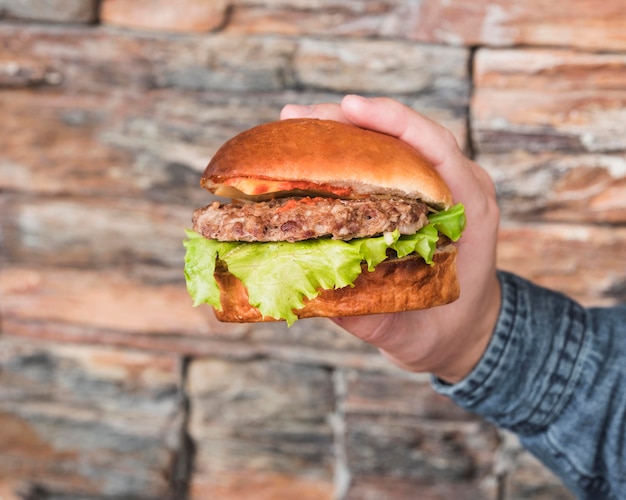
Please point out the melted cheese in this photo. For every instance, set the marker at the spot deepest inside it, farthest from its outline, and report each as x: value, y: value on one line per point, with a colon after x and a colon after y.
x: 247, y: 188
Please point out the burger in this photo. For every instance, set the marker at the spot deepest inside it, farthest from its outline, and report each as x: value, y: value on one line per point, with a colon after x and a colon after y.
x: 320, y: 218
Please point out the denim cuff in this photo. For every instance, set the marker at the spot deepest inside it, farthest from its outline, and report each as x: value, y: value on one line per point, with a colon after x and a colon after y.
x: 531, y: 365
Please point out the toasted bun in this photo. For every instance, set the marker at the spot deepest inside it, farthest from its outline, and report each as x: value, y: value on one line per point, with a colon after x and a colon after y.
x: 324, y: 153
x: 395, y: 285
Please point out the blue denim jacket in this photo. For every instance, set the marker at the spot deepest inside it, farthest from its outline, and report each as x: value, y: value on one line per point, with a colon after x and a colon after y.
x: 555, y: 374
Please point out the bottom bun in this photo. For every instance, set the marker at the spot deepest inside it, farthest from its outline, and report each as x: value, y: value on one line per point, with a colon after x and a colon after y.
x: 395, y: 285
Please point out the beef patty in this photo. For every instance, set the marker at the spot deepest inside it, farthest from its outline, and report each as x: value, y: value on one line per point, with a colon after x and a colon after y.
x: 296, y: 219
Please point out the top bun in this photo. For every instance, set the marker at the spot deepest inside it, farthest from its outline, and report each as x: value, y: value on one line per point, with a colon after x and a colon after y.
x: 325, y: 153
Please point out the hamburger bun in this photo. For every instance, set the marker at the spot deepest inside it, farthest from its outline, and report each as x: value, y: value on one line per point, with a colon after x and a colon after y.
x: 309, y: 159
x: 326, y: 153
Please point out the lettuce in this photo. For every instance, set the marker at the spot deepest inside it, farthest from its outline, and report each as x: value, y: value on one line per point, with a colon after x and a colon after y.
x: 450, y: 222
x: 280, y: 275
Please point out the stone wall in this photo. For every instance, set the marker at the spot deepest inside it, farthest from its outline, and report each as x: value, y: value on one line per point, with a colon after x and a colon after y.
x: 113, y: 387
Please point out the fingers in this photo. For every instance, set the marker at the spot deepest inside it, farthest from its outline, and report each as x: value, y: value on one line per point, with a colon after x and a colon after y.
x: 391, y: 117
x: 387, y: 116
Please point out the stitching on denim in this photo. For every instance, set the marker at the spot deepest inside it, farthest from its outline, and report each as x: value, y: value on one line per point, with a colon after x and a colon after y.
x: 546, y: 410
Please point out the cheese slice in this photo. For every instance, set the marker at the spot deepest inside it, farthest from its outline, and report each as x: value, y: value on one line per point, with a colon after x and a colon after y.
x: 258, y: 189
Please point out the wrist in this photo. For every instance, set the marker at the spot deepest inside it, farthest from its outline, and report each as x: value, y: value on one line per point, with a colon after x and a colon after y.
x: 469, y: 351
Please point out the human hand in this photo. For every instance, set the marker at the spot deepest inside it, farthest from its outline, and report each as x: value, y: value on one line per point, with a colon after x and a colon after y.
x: 447, y: 340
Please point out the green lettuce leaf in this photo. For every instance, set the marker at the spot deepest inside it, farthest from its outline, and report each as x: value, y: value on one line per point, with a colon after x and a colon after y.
x: 279, y: 276
x: 450, y: 222
x: 374, y: 250
x: 424, y: 243
x: 199, y: 268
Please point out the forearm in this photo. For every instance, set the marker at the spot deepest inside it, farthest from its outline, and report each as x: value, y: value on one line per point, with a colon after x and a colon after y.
x: 554, y: 374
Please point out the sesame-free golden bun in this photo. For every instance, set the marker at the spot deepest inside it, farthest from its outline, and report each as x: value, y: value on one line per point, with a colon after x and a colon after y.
x: 323, y: 154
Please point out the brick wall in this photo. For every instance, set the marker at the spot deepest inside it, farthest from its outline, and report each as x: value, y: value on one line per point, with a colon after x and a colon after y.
x: 113, y: 387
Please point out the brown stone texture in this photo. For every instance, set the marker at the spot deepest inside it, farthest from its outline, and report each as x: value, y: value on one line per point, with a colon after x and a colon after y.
x: 395, y: 427
x: 58, y: 11
x: 164, y: 15
x: 349, y: 18
x: 546, y: 126
x: 263, y: 420
x: 583, y: 24
x: 566, y: 101
x: 91, y: 421
x: 584, y: 261
x: 112, y: 386
x: 523, y: 476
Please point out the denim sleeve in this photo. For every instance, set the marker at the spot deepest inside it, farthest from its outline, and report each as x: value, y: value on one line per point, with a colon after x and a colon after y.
x: 554, y: 373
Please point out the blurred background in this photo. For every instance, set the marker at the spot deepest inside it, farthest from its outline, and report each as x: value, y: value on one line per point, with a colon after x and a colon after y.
x: 113, y: 387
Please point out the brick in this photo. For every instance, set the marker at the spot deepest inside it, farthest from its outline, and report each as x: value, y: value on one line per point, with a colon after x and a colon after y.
x: 530, y: 479
x: 344, y: 18
x: 260, y: 486
x: 163, y: 15
x: 523, y: 476
x: 400, y: 488
x: 82, y: 59
x: 96, y: 302
x: 266, y: 419
x: 95, y: 232
x: 576, y: 188
x: 545, y: 125
x: 382, y: 66
x: 546, y: 100
x: 583, y: 24
x: 401, y: 436
x: 58, y: 11
x: 434, y: 453
x: 500, y: 23
x: 552, y: 70
x: 81, y: 421
x: 585, y: 262
x: 244, y: 386
x: 432, y: 80
x: 398, y: 394
x: 27, y: 73
x: 93, y: 60
x: 228, y: 62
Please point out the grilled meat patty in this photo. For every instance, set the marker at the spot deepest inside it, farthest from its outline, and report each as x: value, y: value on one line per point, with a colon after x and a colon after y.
x: 297, y: 219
